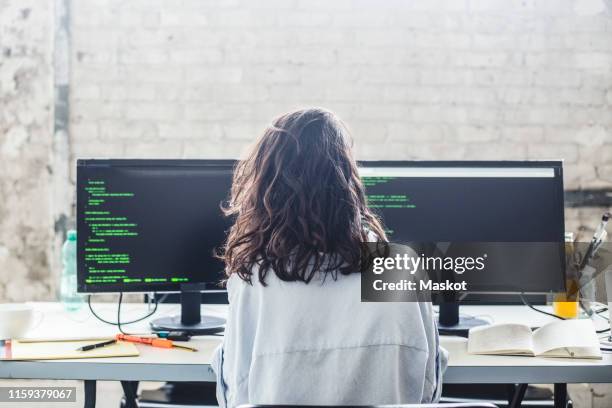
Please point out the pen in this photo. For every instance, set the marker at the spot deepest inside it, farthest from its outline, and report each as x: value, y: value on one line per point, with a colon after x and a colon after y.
x: 596, y: 240
x: 598, y: 244
x: 97, y: 345
x: 602, y: 225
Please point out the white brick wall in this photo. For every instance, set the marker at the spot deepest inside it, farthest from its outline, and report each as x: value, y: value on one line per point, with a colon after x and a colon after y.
x: 444, y: 79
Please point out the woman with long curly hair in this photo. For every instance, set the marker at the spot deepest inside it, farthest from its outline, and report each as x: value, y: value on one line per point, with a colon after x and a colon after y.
x: 297, y: 332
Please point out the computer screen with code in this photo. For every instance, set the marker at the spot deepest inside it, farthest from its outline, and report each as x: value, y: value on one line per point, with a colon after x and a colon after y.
x: 152, y: 225
x: 147, y: 225
x: 509, y: 212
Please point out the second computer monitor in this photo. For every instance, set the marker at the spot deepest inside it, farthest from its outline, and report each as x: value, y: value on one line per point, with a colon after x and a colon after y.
x: 512, y: 211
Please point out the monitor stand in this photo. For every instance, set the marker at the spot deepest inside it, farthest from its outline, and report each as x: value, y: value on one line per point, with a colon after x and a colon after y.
x: 450, y: 322
x: 190, y: 320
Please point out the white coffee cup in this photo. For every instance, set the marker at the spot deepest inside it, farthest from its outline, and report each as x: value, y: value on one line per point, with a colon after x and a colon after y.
x: 15, y: 320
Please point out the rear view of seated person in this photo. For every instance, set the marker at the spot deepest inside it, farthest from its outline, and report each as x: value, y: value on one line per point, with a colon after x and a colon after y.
x: 297, y: 332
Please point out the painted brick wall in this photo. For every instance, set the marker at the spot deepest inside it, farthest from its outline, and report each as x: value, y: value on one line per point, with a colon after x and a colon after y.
x: 26, y: 102
x: 443, y: 79
x: 426, y: 79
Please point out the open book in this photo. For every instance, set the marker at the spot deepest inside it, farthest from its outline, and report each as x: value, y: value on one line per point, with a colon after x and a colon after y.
x: 564, y: 338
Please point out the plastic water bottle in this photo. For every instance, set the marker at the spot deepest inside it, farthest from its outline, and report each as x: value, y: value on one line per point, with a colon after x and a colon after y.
x: 68, y: 289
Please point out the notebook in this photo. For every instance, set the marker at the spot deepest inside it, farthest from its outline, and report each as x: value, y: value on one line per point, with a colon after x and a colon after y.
x: 574, y: 338
x: 59, y: 350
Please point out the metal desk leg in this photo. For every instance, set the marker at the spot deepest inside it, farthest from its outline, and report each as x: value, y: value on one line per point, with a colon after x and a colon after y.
x: 130, y: 390
x: 560, y: 395
x: 89, y: 391
x: 517, y: 396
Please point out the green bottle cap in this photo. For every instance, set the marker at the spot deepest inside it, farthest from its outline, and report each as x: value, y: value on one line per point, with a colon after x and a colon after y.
x: 71, y: 235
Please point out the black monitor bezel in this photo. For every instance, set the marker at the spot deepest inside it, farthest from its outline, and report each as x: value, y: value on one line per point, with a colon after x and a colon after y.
x: 83, y: 287
x: 557, y: 165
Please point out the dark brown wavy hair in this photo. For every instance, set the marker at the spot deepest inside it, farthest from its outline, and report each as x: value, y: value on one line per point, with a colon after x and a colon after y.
x: 298, y: 202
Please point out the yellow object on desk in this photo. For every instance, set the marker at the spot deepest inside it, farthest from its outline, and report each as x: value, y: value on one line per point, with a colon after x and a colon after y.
x: 566, y: 304
x: 60, y: 350
x: 566, y: 309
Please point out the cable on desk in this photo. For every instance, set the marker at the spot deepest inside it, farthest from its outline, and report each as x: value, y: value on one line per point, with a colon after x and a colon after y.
x: 601, y: 317
x: 119, y: 323
x: 119, y: 314
x: 607, y: 320
x: 605, y: 343
x: 532, y: 307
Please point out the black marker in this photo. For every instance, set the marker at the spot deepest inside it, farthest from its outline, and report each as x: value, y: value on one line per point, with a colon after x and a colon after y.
x: 97, y: 345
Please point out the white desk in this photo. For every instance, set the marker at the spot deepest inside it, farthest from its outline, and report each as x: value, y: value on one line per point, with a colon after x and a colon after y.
x: 176, y: 365
x: 468, y: 368
x: 153, y: 364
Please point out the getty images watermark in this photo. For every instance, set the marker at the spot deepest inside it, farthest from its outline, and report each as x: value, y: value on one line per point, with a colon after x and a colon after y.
x: 412, y: 264
x: 416, y: 271
x: 37, y: 394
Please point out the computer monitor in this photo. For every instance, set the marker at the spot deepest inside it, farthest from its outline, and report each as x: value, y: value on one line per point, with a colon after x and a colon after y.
x: 511, y: 210
x: 153, y: 226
